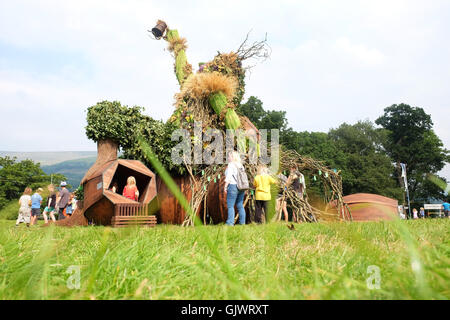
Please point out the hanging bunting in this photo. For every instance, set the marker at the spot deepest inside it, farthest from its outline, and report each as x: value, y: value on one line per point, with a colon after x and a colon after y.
x: 209, y: 178
x: 214, y: 180
x: 326, y: 174
x: 203, y: 172
x: 315, y: 178
x: 320, y: 172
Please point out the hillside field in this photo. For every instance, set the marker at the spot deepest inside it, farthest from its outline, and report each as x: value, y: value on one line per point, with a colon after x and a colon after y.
x: 314, y: 261
x: 73, y: 170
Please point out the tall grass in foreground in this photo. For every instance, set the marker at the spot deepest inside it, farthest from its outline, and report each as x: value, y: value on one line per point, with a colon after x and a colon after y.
x: 314, y: 261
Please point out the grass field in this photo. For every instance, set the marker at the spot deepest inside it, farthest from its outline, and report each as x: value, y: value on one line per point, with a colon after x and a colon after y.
x: 314, y: 261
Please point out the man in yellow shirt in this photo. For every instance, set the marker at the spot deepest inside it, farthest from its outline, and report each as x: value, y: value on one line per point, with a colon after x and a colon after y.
x: 262, y: 184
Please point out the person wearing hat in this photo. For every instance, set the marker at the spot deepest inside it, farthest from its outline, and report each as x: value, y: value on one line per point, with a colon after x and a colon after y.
x: 64, y: 196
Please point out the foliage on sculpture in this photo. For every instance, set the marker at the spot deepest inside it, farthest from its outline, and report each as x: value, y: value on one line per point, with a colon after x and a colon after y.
x: 122, y: 124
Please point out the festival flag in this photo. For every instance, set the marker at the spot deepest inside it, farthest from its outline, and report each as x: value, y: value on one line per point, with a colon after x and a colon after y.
x: 405, y: 181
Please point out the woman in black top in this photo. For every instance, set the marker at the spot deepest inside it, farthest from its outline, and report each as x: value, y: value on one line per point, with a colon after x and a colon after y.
x: 51, y: 204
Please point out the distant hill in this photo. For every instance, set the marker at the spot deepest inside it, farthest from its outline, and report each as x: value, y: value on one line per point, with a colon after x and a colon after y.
x: 49, y: 158
x: 74, y: 170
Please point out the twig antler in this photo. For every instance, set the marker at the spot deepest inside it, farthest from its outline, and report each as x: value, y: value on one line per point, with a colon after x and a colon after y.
x: 259, y: 50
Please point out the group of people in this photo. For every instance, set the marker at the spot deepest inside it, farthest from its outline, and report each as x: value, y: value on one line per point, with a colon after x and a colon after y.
x: 262, y: 184
x: 420, y: 214
x: 62, y: 203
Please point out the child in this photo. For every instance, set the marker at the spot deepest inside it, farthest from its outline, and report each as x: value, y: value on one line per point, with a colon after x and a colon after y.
x: 297, y: 181
x: 131, y: 191
x: 422, y: 213
x: 262, y: 184
x: 51, y: 204
x: 415, y: 213
x: 36, y: 200
x: 25, y: 208
x: 281, y: 201
x: 69, y: 208
x: 114, y: 187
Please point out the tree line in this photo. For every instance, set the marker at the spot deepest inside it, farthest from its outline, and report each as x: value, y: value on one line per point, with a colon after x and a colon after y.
x: 15, y: 176
x: 368, y: 156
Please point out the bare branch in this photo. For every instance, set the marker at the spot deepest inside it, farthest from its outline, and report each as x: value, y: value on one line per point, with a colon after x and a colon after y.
x: 258, y: 50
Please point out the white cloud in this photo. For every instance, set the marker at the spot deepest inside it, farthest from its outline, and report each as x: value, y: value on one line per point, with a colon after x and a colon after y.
x: 360, y: 52
x: 332, y: 61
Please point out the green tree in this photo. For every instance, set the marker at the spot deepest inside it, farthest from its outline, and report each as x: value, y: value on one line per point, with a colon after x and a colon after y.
x: 356, y: 150
x: 111, y: 120
x: 16, y: 176
x: 274, y: 120
x: 365, y: 166
x: 262, y: 119
x: 317, y: 145
x: 253, y: 110
x: 411, y: 140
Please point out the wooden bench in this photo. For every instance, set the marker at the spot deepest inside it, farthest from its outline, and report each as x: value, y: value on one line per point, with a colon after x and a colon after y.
x: 123, y: 221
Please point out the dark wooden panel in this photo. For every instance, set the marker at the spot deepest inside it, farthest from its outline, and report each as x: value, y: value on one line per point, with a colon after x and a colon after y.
x: 93, y: 191
x: 216, y: 202
x: 170, y: 211
x: 101, y: 212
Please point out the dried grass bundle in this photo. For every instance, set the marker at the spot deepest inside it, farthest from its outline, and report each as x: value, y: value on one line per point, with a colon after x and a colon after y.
x: 200, y: 86
x: 177, y: 44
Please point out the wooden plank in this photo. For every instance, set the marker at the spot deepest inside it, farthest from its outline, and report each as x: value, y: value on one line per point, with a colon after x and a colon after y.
x: 130, y: 225
x: 133, y: 222
x: 132, y: 217
x: 135, y: 218
x: 141, y: 220
x: 124, y: 226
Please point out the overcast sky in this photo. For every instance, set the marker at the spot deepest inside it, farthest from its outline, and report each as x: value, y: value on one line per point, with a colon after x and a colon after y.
x: 331, y: 62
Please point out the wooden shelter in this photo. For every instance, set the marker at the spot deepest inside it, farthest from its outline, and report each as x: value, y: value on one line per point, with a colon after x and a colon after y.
x: 370, y: 207
x: 105, y: 207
